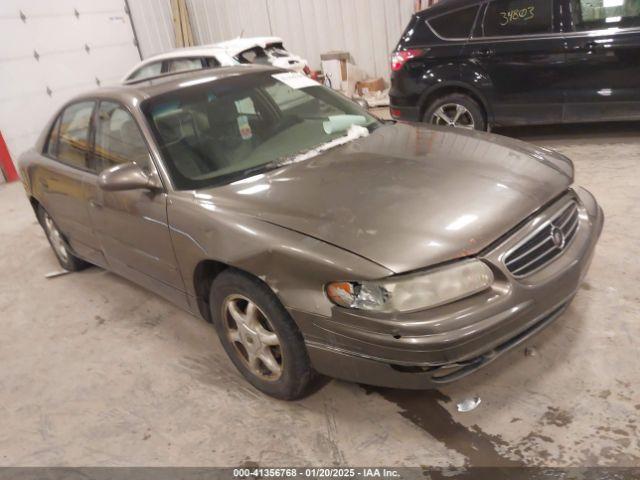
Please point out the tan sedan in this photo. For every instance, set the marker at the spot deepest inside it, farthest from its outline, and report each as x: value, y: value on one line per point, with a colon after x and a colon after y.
x: 316, y: 238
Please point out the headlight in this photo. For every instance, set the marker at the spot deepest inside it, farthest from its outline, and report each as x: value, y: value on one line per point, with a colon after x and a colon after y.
x: 417, y: 291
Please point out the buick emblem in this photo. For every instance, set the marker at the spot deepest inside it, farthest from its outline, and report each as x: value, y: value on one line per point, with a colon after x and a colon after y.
x: 557, y: 237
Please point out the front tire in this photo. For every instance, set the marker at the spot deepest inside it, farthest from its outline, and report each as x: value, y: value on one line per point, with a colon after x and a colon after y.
x: 260, y: 337
x: 59, y: 243
x: 456, y: 110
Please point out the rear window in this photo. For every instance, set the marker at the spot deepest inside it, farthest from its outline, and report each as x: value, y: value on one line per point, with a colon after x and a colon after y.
x: 455, y: 24
x: 518, y: 17
x: 253, y: 55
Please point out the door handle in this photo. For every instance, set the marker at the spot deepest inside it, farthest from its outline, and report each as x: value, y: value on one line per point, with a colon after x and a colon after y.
x: 482, y: 52
x: 590, y: 46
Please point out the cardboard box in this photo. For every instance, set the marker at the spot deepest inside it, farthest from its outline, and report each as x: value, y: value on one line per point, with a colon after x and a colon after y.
x: 364, y: 87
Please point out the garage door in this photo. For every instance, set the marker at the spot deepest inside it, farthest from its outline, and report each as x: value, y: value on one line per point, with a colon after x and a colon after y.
x: 53, y: 50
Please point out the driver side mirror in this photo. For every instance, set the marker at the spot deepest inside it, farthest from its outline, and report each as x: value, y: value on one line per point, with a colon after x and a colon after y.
x: 128, y: 176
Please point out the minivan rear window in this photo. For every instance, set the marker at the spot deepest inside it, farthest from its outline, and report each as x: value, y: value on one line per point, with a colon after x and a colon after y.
x: 518, y: 17
x: 456, y: 24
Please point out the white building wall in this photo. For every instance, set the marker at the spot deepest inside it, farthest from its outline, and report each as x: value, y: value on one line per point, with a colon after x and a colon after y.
x: 153, y: 23
x: 367, y: 29
x: 75, y: 52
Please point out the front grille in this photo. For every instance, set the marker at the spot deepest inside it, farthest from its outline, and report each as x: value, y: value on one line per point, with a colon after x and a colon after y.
x: 545, y: 244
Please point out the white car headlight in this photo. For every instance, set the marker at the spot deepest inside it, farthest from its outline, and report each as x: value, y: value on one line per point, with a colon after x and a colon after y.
x: 416, y: 291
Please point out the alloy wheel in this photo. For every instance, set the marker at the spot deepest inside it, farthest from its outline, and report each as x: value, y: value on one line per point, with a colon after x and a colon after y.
x: 453, y: 115
x: 57, y: 241
x: 253, y: 337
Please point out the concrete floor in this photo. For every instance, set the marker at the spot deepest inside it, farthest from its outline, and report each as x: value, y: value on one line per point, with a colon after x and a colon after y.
x: 96, y: 371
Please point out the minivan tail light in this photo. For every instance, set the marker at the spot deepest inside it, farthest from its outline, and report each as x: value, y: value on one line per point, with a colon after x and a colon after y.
x: 398, y: 59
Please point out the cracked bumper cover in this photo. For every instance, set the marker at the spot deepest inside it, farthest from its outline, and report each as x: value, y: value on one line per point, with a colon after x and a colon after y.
x: 442, y: 344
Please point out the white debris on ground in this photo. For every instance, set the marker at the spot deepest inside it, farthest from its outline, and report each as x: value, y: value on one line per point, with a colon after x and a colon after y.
x: 354, y: 132
x: 57, y: 273
x: 468, y: 404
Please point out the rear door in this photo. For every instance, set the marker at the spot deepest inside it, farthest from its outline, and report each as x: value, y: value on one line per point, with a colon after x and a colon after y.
x: 520, y: 52
x: 65, y: 183
x: 603, y: 57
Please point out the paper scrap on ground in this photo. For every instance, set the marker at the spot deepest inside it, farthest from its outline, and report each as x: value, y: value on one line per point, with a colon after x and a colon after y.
x: 57, y: 273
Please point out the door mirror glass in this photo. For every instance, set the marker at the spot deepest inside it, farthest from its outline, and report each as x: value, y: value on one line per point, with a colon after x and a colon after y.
x: 128, y: 176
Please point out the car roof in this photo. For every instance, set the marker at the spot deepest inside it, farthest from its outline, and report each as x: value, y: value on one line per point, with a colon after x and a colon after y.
x: 444, y: 6
x: 239, y: 44
x: 135, y: 92
x: 229, y: 47
x: 210, y: 49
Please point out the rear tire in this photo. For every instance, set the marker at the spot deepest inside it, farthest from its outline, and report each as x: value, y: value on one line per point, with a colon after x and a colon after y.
x: 260, y: 337
x: 456, y: 110
x: 59, y: 243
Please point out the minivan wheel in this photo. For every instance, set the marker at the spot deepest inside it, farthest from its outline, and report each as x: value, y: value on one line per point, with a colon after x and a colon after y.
x: 59, y: 243
x: 260, y: 337
x: 456, y: 110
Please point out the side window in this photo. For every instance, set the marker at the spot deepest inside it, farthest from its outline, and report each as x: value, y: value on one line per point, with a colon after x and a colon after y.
x: 73, y: 143
x: 52, y: 141
x: 600, y: 14
x: 184, y: 64
x: 455, y: 24
x: 518, y: 17
x: 151, y: 70
x: 118, y: 138
x: 211, y: 62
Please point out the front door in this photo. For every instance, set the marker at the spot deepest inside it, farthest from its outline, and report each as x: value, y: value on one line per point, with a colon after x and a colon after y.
x: 520, y: 49
x: 603, y: 59
x: 132, y: 225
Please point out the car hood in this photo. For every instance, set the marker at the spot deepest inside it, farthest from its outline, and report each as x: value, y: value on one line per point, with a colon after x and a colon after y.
x: 406, y: 196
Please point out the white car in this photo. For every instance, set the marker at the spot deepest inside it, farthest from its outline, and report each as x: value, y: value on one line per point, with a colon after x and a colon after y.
x: 266, y: 50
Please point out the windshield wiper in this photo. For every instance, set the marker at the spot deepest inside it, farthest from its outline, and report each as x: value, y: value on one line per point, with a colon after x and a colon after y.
x: 272, y: 165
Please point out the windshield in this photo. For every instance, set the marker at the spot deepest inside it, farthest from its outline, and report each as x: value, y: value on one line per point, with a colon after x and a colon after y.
x: 214, y: 131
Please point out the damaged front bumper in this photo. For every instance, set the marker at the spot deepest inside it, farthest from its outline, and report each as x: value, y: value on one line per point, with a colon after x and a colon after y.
x: 442, y: 344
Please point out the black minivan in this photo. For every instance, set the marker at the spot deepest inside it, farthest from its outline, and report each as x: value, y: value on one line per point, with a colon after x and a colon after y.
x: 476, y: 64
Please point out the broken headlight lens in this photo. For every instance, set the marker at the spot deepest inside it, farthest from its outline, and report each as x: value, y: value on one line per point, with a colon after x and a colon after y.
x: 417, y: 291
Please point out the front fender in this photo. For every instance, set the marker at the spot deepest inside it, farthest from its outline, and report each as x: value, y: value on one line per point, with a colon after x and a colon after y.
x: 296, y: 267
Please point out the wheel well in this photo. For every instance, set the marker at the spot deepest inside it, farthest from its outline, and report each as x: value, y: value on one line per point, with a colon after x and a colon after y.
x: 203, y: 276
x: 34, y: 204
x: 448, y: 90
